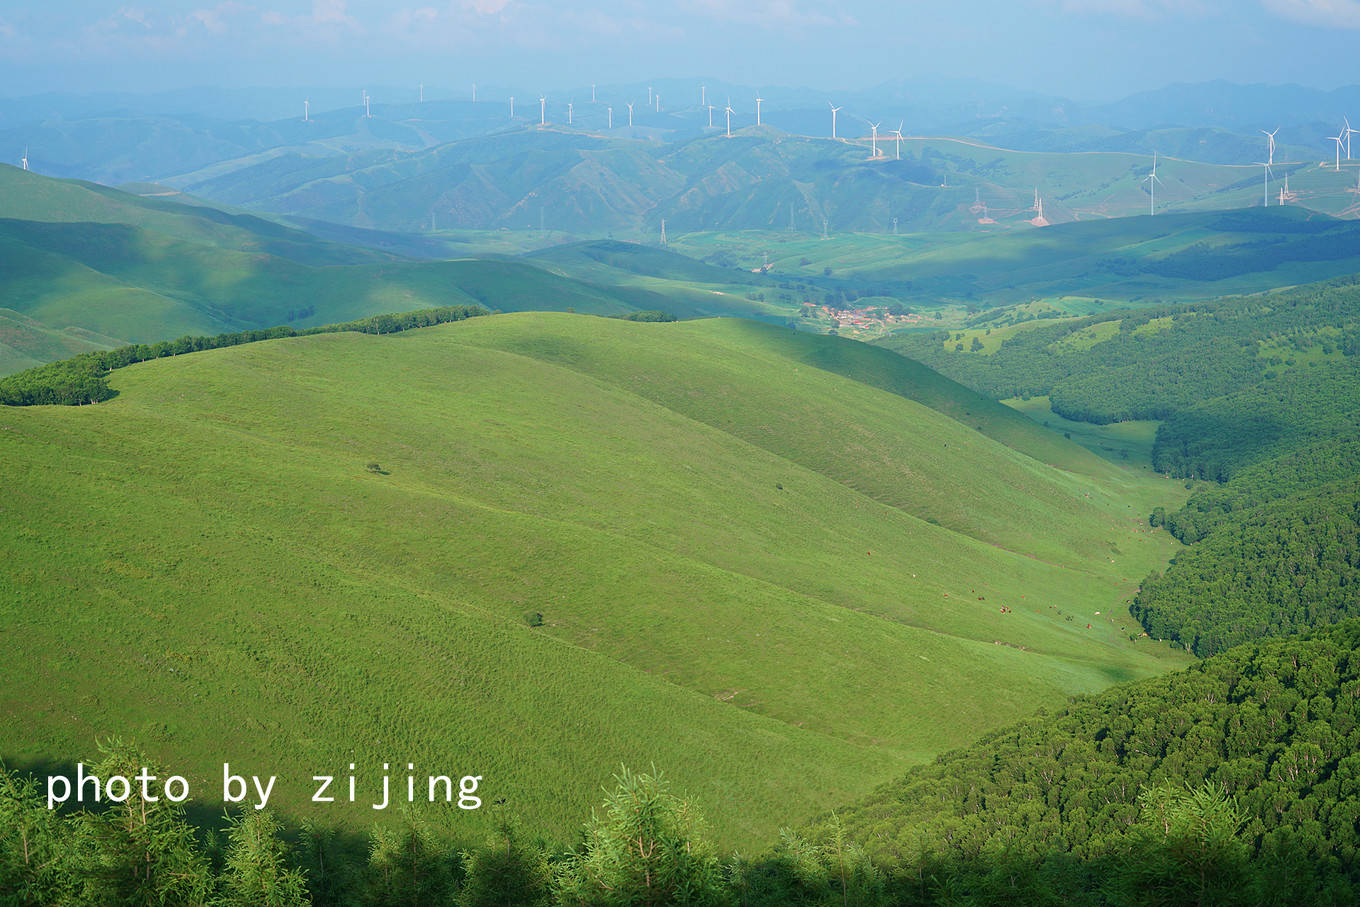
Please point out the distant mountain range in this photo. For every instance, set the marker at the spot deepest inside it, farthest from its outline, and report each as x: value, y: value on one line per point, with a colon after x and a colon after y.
x: 115, y: 138
x: 760, y: 178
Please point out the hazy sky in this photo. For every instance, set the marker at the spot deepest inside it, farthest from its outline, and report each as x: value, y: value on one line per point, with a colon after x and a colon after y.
x: 1087, y: 49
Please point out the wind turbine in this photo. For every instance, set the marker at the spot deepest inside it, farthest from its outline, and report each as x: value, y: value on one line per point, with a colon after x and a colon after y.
x: 649, y: 96
x: 542, y: 111
x: 24, y: 160
x: 1349, y: 130
x: 729, y: 119
x: 1270, y: 145
x: 306, y: 110
x: 630, y: 113
x: 1152, y: 181
x: 1337, y: 138
x: 758, y: 100
x: 592, y: 92
x: 898, y: 132
x: 569, y: 113
x: 710, y: 116
x: 658, y: 102
x: 512, y: 107
x: 874, y: 140
x: 611, y: 117
x: 367, y: 115
x: 834, y: 108
x: 703, y: 96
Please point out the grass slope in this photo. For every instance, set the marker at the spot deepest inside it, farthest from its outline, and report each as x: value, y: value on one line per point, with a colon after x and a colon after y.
x: 730, y: 549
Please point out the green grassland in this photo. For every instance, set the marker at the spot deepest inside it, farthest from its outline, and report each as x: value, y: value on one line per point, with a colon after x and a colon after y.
x: 85, y: 267
x: 1066, y: 269
x: 761, y: 564
x: 1126, y: 442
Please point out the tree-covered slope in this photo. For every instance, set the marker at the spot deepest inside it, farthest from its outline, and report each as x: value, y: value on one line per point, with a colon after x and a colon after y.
x: 539, y: 546
x: 1271, y: 570
x: 1053, y: 802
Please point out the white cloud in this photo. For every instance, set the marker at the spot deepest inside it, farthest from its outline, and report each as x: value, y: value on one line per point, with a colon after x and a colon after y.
x: 771, y: 13
x: 1137, y: 9
x: 1323, y: 13
x: 214, y: 20
x: 332, y: 12
x: 133, y: 14
x: 485, y: 7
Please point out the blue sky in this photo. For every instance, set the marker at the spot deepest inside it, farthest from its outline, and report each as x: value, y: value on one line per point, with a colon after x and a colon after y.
x: 1085, y: 49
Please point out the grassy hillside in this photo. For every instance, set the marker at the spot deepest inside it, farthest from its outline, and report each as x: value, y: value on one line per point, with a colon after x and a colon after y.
x: 87, y: 267
x: 778, y: 582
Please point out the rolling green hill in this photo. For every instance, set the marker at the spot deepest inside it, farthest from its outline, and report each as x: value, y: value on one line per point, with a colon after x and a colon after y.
x: 535, y: 546
x: 86, y: 267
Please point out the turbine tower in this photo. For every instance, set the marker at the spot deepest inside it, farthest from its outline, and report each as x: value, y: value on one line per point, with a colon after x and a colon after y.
x: 703, y: 95
x: 873, y: 141
x: 542, y: 111
x: 367, y: 114
x: 512, y: 107
x: 630, y: 113
x: 758, y: 100
x: 1265, y: 181
x: 422, y: 93
x: 710, y: 116
x: 729, y: 119
x: 834, y: 108
x: 1337, y: 138
x: 658, y: 102
x: 898, y: 132
x: 592, y: 92
x: 611, y: 117
x: 306, y: 110
x: 474, y: 92
x: 1152, y: 181
x: 649, y: 96
x: 569, y: 108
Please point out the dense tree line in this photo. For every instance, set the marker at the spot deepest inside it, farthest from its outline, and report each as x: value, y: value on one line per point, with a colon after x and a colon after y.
x: 82, y: 380
x: 1308, y: 467
x: 1236, y: 781
x: 1271, y: 570
x: 1236, y: 380
x: 1255, y: 751
x: 653, y: 315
